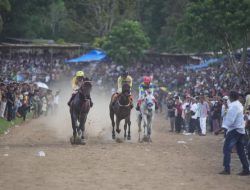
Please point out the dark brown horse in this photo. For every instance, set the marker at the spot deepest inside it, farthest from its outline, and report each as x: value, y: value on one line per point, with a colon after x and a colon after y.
x: 121, y: 108
x: 79, y: 109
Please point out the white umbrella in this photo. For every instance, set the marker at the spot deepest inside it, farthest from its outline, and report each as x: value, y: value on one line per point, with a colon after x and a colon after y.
x: 42, y: 85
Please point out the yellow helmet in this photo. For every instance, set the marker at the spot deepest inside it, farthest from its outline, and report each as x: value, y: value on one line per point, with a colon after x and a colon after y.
x: 80, y: 74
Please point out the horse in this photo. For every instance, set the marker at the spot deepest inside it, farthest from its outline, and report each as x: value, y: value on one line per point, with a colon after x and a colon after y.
x: 146, y: 115
x: 121, y: 108
x: 79, y: 109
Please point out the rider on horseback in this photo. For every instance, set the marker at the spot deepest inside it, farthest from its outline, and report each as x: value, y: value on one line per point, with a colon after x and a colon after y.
x: 125, y: 78
x: 76, y: 82
x: 148, y: 86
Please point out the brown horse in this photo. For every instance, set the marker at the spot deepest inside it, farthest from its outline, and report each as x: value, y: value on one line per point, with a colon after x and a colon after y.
x: 121, y: 108
x: 79, y: 109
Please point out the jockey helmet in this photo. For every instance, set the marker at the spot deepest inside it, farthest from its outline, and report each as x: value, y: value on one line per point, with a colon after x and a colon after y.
x: 124, y: 73
x: 146, y: 80
x: 80, y: 74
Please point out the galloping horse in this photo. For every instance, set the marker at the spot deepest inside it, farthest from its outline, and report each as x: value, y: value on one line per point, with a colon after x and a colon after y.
x: 79, y: 109
x: 146, y: 115
x: 121, y: 108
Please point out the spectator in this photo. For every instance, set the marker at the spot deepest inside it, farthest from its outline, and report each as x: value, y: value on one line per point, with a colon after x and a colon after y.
x: 203, y: 108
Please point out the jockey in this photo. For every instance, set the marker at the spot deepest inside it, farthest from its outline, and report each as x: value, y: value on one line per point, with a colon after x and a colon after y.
x: 146, y: 85
x: 76, y: 83
x: 124, y: 78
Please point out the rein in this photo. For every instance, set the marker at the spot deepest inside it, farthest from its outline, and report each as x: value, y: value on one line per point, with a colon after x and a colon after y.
x: 127, y: 105
x: 123, y: 105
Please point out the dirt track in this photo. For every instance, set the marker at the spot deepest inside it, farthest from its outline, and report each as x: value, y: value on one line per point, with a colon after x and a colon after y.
x: 105, y: 164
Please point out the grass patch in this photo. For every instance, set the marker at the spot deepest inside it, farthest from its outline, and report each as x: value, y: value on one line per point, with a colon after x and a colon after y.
x: 4, y: 124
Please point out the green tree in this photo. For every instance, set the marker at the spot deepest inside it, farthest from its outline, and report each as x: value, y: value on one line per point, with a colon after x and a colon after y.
x: 152, y: 16
x: 56, y: 19
x: 217, y: 25
x: 27, y: 18
x: 126, y: 42
x: 92, y: 19
x: 4, y: 6
x: 167, y: 39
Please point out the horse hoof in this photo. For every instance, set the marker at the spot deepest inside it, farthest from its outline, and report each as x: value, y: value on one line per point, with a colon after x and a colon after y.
x: 118, y: 140
x: 113, y: 137
x: 129, y: 138
x: 118, y: 130
x: 72, y: 140
x: 82, y: 142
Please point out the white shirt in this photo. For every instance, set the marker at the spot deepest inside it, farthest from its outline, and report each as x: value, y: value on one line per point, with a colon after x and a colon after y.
x: 194, y: 108
x: 56, y: 99
x: 234, y: 118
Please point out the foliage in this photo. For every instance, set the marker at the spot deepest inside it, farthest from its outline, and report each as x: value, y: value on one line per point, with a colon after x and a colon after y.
x: 213, y: 23
x: 126, y: 42
x: 217, y: 25
x: 4, y: 6
x: 171, y: 25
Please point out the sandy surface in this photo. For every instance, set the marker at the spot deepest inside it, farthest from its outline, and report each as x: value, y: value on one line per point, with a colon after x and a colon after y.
x: 105, y: 164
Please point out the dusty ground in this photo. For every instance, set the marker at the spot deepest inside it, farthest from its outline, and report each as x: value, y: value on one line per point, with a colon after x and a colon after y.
x: 105, y: 164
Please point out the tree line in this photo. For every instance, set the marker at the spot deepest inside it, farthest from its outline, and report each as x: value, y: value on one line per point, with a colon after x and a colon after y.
x: 164, y: 25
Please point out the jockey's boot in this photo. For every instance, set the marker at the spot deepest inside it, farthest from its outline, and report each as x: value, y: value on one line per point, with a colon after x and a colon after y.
x: 114, y: 98
x: 137, y: 107
x: 156, y: 106
x: 70, y: 100
x: 131, y: 102
x: 91, y: 103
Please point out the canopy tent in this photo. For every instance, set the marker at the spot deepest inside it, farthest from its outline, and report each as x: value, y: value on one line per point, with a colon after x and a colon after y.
x: 94, y: 55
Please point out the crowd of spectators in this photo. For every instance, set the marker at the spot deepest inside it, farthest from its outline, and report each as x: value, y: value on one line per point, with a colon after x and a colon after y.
x: 189, y: 87
x: 19, y: 92
x: 205, y: 91
x: 32, y: 67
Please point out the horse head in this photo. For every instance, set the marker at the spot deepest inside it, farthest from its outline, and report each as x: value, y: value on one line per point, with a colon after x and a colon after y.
x: 149, y: 102
x: 126, y: 89
x: 85, y: 88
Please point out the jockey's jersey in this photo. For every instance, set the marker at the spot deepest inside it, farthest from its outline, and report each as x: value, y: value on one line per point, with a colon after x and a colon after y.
x: 121, y: 81
x: 143, y: 87
x: 75, y: 83
x: 127, y: 80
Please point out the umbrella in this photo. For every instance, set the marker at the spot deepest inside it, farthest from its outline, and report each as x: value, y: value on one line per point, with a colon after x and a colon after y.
x: 42, y: 85
x: 164, y: 89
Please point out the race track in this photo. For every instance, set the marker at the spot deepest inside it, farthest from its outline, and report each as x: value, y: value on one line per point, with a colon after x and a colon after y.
x: 105, y: 164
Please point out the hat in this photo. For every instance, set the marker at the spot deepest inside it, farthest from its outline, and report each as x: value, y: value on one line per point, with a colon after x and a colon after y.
x: 225, y: 98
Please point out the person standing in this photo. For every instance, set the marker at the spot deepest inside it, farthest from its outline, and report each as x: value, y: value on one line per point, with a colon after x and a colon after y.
x: 203, y: 113
x: 194, y: 121
x: 10, y: 96
x: 178, y: 115
x: 171, y: 113
x: 56, y: 101
x: 234, y: 124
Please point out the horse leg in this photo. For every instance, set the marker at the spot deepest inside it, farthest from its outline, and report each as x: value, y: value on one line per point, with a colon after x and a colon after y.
x: 129, y: 124
x: 112, y: 116
x: 118, y: 130
x: 125, y: 129
x: 139, y: 127
x: 73, y: 122
x: 149, y: 129
x: 82, y: 125
x: 144, y: 125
